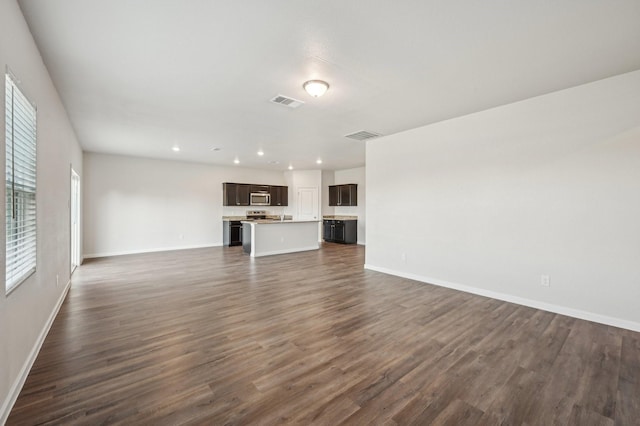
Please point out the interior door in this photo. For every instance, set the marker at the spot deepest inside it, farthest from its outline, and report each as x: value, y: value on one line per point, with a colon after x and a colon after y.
x: 75, y: 220
x: 308, y: 203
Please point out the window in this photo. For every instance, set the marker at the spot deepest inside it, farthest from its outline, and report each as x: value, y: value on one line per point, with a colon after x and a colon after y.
x: 20, y: 183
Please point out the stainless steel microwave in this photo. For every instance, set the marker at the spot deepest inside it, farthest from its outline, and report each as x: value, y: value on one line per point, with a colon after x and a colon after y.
x: 260, y: 199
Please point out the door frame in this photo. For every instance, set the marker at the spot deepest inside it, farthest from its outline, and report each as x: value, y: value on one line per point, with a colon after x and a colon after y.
x: 75, y: 258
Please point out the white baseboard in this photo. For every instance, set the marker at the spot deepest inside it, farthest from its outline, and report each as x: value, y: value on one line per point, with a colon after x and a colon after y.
x: 558, y: 309
x: 14, y: 392
x: 154, y: 250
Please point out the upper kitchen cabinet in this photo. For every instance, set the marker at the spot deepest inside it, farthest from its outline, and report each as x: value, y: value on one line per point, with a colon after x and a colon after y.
x: 239, y: 194
x: 343, y: 195
x: 235, y: 194
x: 260, y: 189
x: 279, y: 195
x: 333, y: 195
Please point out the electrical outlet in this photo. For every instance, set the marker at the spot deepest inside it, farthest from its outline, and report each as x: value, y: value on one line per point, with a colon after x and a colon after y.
x: 545, y: 281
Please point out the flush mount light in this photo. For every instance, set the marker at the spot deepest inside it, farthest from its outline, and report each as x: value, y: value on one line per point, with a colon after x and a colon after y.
x: 316, y: 88
x: 236, y: 161
x: 319, y: 161
x: 290, y: 167
x: 261, y: 153
x: 176, y: 149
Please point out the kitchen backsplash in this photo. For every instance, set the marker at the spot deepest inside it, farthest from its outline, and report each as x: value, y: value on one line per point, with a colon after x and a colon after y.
x: 242, y: 211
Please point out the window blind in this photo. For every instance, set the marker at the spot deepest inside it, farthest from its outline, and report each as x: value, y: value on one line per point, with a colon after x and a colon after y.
x: 20, y: 183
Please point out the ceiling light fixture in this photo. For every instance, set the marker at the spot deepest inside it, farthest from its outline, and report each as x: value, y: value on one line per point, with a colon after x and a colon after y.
x: 316, y: 88
x: 176, y: 149
x: 290, y: 167
x: 319, y: 161
x: 236, y: 161
x: 261, y: 153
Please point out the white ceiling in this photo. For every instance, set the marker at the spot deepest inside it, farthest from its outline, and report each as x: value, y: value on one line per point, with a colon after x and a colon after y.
x: 140, y: 76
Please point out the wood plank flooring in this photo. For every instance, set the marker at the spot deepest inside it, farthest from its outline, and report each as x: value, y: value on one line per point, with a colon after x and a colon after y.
x: 213, y: 337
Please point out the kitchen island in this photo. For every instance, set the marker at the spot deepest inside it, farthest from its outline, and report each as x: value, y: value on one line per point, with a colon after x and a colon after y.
x: 267, y: 237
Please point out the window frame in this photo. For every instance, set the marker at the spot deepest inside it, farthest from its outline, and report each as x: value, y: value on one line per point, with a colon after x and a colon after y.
x: 21, y: 192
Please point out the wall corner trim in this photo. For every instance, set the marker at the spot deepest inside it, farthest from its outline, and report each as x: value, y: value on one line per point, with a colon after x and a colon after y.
x: 14, y: 392
x: 557, y: 309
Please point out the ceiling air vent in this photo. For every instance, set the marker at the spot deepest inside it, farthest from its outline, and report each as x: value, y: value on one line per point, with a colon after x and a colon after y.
x: 288, y: 102
x: 362, y: 135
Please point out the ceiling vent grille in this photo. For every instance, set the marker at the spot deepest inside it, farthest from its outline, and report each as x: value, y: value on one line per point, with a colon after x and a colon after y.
x: 286, y: 101
x: 362, y: 135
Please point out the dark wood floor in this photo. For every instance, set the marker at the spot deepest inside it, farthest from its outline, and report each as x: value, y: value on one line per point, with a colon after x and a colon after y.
x: 210, y: 336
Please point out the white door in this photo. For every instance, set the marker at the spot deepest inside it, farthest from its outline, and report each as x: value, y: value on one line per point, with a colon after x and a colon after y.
x: 308, y: 203
x: 75, y: 220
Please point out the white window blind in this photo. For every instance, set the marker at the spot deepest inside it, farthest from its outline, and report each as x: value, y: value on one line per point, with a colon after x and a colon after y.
x: 20, y: 182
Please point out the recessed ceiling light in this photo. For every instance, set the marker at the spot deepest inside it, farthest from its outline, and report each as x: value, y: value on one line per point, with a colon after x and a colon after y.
x: 319, y: 161
x: 176, y: 149
x: 236, y: 161
x: 261, y: 153
x: 290, y: 167
x: 316, y: 88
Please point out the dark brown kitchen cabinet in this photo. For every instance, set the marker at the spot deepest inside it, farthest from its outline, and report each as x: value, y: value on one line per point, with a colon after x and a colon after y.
x: 340, y: 231
x: 239, y: 194
x: 343, y: 195
x: 279, y: 195
x: 260, y: 189
x: 232, y: 233
x: 235, y: 194
x: 333, y: 195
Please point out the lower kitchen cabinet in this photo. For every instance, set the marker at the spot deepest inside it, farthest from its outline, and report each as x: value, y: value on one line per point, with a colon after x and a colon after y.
x: 340, y: 231
x: 232, y: 233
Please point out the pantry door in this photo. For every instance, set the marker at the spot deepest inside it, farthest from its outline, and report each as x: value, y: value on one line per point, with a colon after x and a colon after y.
x: 308, y: 203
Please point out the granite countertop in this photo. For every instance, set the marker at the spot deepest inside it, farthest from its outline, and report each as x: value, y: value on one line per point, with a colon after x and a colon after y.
x: 277, y: 217
x: 339, y: 217
x: 269, y: 218
x: 272, y: 221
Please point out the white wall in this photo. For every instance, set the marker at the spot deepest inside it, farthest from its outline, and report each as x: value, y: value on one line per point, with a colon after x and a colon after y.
x: 328, y: 178
x: 136, y: 205
x: 491, y: 201
x: 356, y: 175
x: 26, y: 313
x: 297, y: 179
